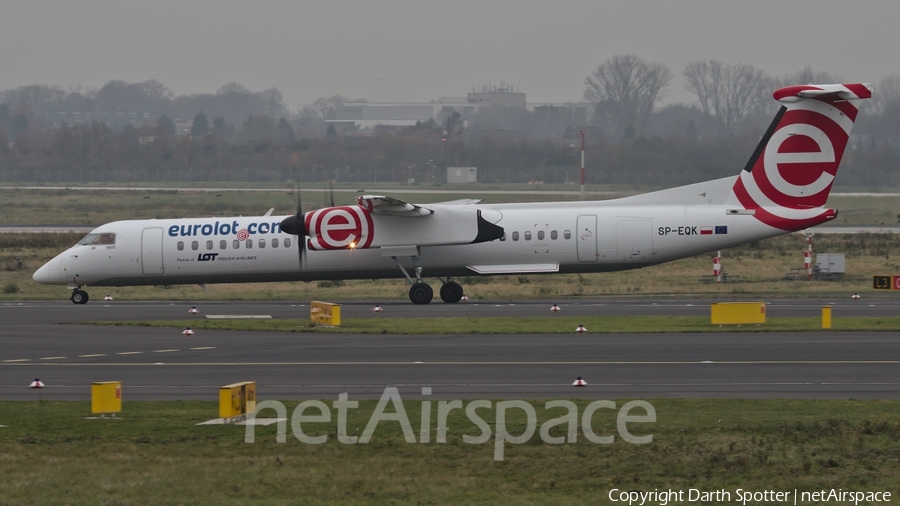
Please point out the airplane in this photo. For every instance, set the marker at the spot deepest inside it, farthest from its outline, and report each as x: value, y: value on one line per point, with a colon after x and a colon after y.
x: 783, y: 188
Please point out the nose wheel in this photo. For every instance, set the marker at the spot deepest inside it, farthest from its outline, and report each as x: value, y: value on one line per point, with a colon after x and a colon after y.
x: 79, y: 297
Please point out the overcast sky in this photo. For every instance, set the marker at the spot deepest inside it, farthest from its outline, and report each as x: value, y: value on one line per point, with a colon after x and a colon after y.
x: 396, y: 50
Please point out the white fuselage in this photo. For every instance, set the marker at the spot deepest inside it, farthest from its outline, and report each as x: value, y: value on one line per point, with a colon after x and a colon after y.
x: 539, y: 237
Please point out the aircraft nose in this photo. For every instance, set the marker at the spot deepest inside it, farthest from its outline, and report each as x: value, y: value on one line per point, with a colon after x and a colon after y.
x: 48, y: 273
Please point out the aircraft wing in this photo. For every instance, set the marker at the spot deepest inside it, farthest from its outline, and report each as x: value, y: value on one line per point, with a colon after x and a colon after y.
x: 387, y: 206
x: 459, y: 202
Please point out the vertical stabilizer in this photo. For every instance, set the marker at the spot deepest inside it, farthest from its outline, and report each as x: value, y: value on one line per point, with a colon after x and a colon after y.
x: 787, y: 180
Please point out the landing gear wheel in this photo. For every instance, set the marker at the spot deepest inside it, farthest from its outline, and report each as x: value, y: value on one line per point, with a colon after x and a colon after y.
x: 79, y: 297
x: 451, y: 292
x: 420, y: 293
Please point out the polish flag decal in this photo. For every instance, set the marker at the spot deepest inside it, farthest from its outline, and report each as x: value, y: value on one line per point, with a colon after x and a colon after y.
x: 706, y: 230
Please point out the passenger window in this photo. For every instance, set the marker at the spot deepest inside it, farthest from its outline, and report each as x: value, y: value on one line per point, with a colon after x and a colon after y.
x: 223, y: 244
x: 249, y: 243
x: 567, y: 234
x: 287, y: 242
x: 528, y: 236
x: 274, y: 243
x: 553, y: 234
x: 180, y: 246
x: 236, y: 244
x: 208, y: 245
x: 540, y: 235
x: 195, y: 245
x: 515, y: 236
x: 262, y: 243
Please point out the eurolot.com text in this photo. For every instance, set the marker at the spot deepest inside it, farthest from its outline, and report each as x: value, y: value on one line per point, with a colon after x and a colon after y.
x: 633, y: 412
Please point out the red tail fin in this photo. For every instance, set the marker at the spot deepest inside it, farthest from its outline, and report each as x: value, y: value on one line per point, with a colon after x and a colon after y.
x: 790, y: 175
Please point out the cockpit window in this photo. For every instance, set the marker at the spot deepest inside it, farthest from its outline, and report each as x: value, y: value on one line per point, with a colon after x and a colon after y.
x: 98, y: 239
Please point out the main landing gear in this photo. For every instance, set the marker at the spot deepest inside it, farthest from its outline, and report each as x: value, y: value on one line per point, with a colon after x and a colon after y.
x: 79, y: 296
x: 421, y: 292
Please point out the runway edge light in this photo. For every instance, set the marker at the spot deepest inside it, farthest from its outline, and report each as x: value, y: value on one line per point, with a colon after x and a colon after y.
x: 36, y: 383
x: 376, y: 309
x: 187, y: 332
x: 581, y: 329
x: 193, y: 310
x: 555, y: 308
x: 579, y: 382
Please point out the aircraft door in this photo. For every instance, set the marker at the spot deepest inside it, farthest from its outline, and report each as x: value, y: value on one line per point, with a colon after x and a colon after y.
x: 586, y: 238
x: 151, y: 251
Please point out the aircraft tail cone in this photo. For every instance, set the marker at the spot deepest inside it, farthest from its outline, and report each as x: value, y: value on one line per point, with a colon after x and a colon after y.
x: 581, y: 329
x: 579, y: 382
x: 555, y: 308
x: 187, y: 332
x: 37, y: 383
x: 376, y: 309
x: 108, y: 297
x: 193, y: 310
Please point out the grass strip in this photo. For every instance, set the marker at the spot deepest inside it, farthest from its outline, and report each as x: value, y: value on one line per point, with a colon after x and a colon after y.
x: 155, y: 454
x: 531, y: 325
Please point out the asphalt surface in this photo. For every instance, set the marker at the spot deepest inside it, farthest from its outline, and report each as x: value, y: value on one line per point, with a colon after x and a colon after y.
x: 40, y: 341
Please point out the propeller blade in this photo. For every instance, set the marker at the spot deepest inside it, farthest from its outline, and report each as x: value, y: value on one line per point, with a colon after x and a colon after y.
x: 296, y: 225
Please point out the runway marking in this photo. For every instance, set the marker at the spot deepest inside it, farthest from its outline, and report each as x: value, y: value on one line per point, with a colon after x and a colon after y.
x: 52, y: 358
x: 407, y: 363
x: 165, y: 351
x: 500, y: 385
x: 129, y: 353
x: 16, y: 360
x: 204, y: 348
x: 92, y: 355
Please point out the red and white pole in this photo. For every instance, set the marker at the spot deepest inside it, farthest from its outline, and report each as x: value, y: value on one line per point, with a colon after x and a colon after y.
x: 717, y: 267
x: 807, y: 259
x: 582, y: 165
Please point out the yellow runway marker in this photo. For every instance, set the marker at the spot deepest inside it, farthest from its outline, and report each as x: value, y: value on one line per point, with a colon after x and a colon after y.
x: 130, y: 353
x: 163, y: 351
x: 205, y: 348
x: 52, y: 358
x: 92, y: 355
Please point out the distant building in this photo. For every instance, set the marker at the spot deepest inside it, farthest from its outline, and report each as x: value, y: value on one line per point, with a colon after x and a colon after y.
x: 462, y: 174
x: 497, y: 96
x: 367, y: 115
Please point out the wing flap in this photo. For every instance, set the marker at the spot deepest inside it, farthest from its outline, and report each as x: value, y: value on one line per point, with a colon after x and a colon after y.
x: 388, y: 206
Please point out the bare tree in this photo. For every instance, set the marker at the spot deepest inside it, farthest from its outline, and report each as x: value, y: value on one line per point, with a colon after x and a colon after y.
x: 808, y: 76
x: 888, y: 92
x: 729, y: 92
x: 625, y: 89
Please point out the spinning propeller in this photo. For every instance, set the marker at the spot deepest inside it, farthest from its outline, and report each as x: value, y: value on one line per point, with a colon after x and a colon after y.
x: 296, y: 225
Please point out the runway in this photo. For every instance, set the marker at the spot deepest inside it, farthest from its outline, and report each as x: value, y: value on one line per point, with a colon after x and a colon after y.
x: 156, y: 363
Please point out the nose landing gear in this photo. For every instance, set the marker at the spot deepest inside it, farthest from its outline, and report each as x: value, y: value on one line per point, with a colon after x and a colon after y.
x: 79, y: 296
